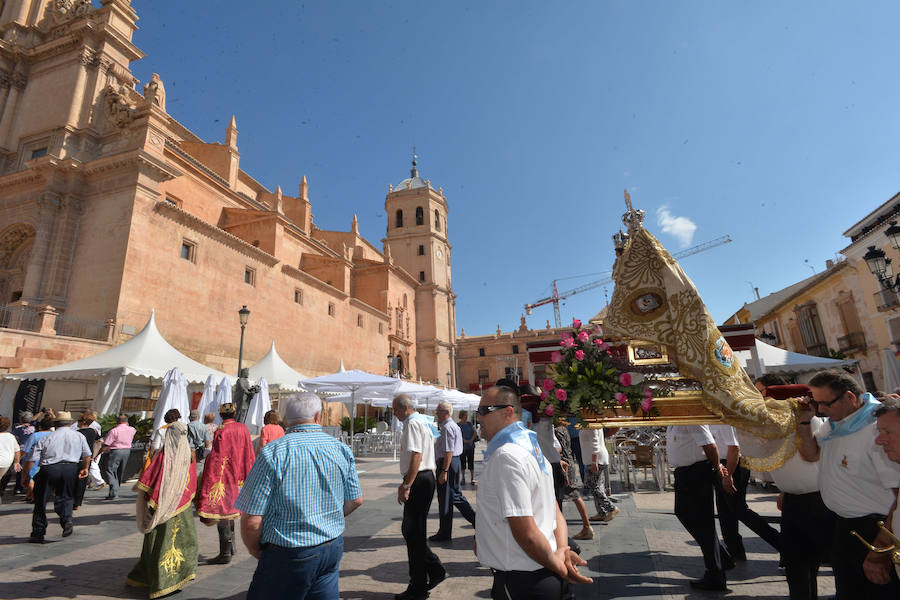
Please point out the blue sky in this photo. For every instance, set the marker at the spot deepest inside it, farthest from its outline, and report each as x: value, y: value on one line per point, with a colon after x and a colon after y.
x: 774, y: 123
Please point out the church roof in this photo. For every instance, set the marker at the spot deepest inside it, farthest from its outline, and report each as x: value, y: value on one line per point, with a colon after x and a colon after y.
x: 413, y: 182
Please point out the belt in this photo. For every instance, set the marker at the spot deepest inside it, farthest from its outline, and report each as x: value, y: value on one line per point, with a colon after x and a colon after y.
x: 271, y: 545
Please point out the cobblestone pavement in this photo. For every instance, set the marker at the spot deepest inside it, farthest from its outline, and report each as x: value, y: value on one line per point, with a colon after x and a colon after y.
x: 643, y: 554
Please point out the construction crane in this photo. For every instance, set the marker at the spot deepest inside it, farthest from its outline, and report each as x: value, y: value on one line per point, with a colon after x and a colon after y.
x: 556, y: 296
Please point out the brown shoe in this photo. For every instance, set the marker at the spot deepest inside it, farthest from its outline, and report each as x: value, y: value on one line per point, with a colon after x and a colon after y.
x: 611, y: 515
x: 586, y: 533
x: 597, y: 517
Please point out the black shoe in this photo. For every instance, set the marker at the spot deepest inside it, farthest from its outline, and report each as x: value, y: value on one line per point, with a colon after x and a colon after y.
x: 728, y: 563
x: 222, y: 559
x: 36, y: 539
x: 710, y: 583
x: 68, y: 528
x: 439, y: 538
x: 408, y: 594
x: 434, y: 580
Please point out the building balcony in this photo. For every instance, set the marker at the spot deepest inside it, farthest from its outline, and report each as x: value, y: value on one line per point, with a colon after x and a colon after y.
x: 852, y: 342
x: 886, y: 300
x: 817, y: 350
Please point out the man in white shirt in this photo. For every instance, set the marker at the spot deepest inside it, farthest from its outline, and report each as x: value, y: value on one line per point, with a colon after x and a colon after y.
x: 692, y: 451
x: 448, y: 449
x: 521, y: 534
x: 731, y: 497
x: 806, y: 523
x: 415, y: 493
x: 857, y: 483
x: 594, y: 454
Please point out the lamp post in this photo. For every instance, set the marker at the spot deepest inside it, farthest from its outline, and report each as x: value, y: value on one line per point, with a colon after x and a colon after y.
x: 243, y: 315
x: 390, y: 358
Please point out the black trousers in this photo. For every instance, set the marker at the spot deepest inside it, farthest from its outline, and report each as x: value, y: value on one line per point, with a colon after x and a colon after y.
x: 423, y: 563
x: 694, y: 486
x: 733, y: 509
x: 559, y: 483
x: 449, y: 495
x: 542, y: 584
x: 847, y: 555
x: 59, y: 479
x: 806, y: 530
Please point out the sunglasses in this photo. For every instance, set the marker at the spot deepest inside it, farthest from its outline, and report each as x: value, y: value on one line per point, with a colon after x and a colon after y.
x: 828, y: 404
x: 486, y: 410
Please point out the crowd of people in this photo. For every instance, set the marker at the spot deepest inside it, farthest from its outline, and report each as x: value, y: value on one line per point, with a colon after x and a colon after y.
x: 292, y: 492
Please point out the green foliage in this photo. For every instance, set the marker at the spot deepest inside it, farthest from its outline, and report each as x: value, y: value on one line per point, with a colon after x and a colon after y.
x: 360, y: 424
x: 144, y: 427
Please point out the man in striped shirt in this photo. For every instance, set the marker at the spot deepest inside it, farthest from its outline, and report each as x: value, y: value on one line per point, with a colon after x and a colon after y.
x: 294, y: 502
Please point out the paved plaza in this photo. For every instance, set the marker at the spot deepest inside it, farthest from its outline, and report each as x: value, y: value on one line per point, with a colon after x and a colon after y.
x: 643, y: 554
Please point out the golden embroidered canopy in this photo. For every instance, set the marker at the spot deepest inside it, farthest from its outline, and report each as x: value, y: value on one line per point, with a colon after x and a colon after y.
x: 654, y: 301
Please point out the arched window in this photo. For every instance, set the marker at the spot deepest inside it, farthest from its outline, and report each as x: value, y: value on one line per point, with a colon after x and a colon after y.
x: 420, y: 216
x: 15, y: 249
x: 404, y: 300
x: 437, y: 220
x: 399, y: 222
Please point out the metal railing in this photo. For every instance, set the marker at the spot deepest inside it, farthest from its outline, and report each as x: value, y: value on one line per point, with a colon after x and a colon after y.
x: 852, y: 341
x: 886, y: 299
x: 80, y: 328
x: 19, y: 317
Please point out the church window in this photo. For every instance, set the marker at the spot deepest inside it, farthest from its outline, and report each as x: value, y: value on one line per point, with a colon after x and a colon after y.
x: 481, y: 352
x: 421, y: 275
x: 250, y: 276
x: 421, y: 250
x: 404, y: 300
x: 359, y: 320
x: 437, y: 220
x: 484, y: 375
x: 188, y: 250
x: 420, y: 216
x: 331, y: 309
x: 39, y: 152
x: 399, y: 220
x: 380, y: 328
x: 515, y: 349
x: 298, y: 296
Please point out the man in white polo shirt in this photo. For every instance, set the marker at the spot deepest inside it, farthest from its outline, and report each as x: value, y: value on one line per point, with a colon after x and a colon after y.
x: 691, y: 449
x: 806, y: 523
x: 857, y: 483
x: 520, y: 533
x: 415, y: 493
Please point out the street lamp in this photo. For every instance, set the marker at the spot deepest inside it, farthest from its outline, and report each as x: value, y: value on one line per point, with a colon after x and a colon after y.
x: 390, y: 358
x: 243, y: 315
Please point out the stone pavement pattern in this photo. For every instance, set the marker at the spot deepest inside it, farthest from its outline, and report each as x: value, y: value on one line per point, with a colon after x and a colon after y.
x: 643, y: 554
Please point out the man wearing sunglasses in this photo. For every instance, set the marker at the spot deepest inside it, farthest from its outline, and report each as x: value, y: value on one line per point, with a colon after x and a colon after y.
x: 521, y: 533
x: 857, y: 482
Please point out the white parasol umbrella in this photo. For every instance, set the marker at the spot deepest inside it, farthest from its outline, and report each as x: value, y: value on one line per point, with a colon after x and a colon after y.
x: 891, y: 369
x: 223, y: 396
x: 172, y: 395
x: 259, y: 406
x: 208, y: 397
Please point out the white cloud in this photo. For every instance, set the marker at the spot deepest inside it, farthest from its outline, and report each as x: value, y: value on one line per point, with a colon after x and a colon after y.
x: 681, y: 227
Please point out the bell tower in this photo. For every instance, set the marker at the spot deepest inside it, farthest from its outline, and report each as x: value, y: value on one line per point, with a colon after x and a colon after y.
x: 418, y: 241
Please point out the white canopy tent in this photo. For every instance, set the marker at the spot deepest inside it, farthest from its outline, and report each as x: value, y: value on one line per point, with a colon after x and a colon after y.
x: 277, y: 373
x: 143, y: 358
x: 771, y: 359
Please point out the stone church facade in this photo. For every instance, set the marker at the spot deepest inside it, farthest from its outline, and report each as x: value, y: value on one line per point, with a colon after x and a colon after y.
x: 110, y: 207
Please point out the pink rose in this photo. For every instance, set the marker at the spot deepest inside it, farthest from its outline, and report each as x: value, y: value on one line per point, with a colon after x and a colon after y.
x: 567, y: 342
x: 576, y: 323
x: 561, y: 394
x: 625, y: 378
x: 556, y: 356
x: 543, y: 395
x: 601, y: 345
x: 549, y: 410
x: 548, y: 384
x: 648, y: 393
x: 579, y: 354
x: 598, y: 330
x: 621, y: 398
x: 646, y: 404
x: 583, y: 336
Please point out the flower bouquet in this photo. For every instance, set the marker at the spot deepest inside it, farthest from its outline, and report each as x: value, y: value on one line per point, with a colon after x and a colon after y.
x: 585, y: 382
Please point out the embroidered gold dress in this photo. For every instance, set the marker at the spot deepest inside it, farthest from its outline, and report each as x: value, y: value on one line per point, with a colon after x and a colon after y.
x: 227, y: 466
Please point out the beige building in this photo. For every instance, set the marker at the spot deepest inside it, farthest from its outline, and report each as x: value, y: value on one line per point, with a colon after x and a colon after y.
x: 110, y: 207
x: 844, y: 308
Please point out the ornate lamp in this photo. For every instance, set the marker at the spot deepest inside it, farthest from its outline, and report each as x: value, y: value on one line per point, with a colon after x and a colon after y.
x: 243, y: 316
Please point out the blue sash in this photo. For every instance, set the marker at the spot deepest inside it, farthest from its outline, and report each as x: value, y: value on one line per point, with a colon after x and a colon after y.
x: 424, y: 419
x: 862, y: 418
x: 515, y: 433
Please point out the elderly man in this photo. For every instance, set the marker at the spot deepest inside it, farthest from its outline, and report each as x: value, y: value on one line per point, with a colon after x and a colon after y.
x: 118, y: 443
x: 294, y: 502
x: 692, y: 451
x: 888, y: 415
x: 521, y: 532
x: 415, y: 493
x: 857, y: 484
x: 198, y: 436
x: 447, y: 451
x: 63, y: 457
x: 227, y: 466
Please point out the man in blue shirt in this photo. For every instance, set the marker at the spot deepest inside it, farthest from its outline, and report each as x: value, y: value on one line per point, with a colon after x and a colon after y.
x: 294, y: 502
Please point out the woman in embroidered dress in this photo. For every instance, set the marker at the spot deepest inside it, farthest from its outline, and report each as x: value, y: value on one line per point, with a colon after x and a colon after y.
x: 165, y: 491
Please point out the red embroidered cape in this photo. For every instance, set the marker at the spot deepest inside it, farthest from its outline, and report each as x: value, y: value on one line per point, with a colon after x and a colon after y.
x: 151, y: 479
x: 227, y: 466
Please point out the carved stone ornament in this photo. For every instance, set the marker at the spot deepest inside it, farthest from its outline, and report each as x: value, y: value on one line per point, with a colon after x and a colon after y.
x: 118, y: 111
x: 155, y: 92
x: 71, y: 8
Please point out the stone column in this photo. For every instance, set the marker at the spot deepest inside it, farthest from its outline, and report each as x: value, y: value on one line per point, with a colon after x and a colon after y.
x: 47, y: 319
x: 48, y: 211
x: 111, y: 330
x: 55, y: 283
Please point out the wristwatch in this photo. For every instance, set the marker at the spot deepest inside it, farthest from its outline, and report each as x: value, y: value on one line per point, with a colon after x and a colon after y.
x: 405, y: 486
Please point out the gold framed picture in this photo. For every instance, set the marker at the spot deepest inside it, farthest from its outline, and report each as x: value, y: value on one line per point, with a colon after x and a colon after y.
x: 641, y: 353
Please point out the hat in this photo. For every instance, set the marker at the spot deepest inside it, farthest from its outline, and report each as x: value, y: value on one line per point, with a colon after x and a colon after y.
x: 228, y: 407
x: 63, y: 417
x: 26, y: 415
